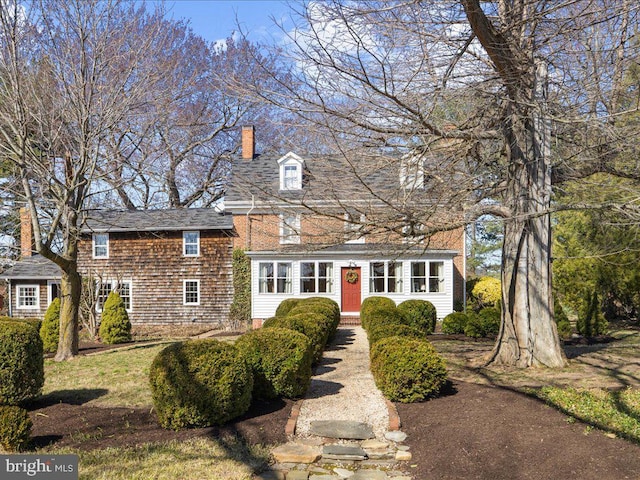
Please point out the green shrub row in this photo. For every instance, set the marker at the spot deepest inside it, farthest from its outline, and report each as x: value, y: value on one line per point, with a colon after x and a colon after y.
x: 405, y: 366
x: 206, y: 382
x: 15, y: 428
x: 115, y: 326
x: 485, y: 323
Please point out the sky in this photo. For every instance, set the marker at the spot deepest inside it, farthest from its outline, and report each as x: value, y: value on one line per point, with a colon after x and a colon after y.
x: 216, y: 19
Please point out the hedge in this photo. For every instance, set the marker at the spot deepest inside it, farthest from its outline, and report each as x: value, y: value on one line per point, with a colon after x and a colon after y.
x: 286, y: 305
x: 454, y: 323
x: 199, y: 383
x: 485, y: 323
x: 384, y: 316
x: 393, y: 330
x: 21, y: 362
x: 50, y: 327
x: 407, y: 370
x: 420, y: 314
x: 15, y: 428
x: 371, y: 304
x: 115, y: 326
x: 314, y: 325
x: 280, y: 360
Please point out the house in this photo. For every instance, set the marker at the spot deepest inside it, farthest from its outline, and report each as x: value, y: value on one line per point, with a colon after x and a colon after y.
x: 34, y: 281
x: 169, y: 266
x: 308, y: 226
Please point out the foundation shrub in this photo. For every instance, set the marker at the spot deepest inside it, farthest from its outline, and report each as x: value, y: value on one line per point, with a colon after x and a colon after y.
x: 50, y: 327
x: 407, y: 370
x: 420, y: 314
x: 286, y: 305
x: 36, y: 323
x: 21, y: 362
x: 485, y: 323
x: 115, y: 326
x: 454, y: 323
x: 385, y: 316
x: 371, y: 304
x: 323, y: 306
x: 15, y: 428
x: 280, y: 360
x: 199, y: 383
x: 314, y: 325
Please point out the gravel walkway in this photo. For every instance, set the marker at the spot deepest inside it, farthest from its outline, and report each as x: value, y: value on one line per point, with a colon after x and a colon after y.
x: 342, y: 387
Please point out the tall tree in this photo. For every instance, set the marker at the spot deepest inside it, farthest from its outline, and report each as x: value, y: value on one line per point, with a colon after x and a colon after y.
x: 70, y: 71
x: 503, y: 100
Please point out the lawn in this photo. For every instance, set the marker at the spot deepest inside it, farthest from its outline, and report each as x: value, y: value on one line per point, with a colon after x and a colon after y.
x: 117, y: 379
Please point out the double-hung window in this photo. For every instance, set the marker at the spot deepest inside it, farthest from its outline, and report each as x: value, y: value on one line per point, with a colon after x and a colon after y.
x: 191, y: 292
x: 290, y: 228
x: 28, y: 296
x: 427, y: 277
x: 100, y: 245
x: 316, y: 277
x: 385, y: 277
x: 191, y: 244
x: 123, y: 288
x: 274, y: 277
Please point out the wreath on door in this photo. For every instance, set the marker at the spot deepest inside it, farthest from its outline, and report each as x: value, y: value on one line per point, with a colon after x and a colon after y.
x: 351, y: 276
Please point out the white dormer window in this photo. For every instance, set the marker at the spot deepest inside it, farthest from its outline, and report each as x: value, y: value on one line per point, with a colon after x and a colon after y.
x: 291, y: 167
x: 412, y: 173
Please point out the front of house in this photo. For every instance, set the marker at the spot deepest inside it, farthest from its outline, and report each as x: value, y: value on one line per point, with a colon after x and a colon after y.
x: 302, y: 245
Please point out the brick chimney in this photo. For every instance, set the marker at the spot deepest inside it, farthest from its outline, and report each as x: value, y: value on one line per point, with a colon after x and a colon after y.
x: 26, y: 233
x: 248, y: 142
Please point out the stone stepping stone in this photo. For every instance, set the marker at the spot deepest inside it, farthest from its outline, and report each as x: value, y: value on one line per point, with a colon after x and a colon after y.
x: 342, y: 429
x: 343, y: 452
x: 369, y: 475
x: 296, y: 453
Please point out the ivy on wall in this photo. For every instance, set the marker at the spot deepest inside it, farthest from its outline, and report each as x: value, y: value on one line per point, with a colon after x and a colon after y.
x: 240, y: 311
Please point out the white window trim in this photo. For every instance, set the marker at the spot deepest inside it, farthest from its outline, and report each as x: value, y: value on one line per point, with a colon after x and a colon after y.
x: 293, y: 239
x: 93, y: 245
x: 37, y: 296
x: 49, y: 296
x: 316, y: 278
x: 112, y: 282
x: 427, y: 277
x: 184, y: 243
x: 352, y: 228
x: 291, y: 160
x: 399, y: 279
x: 276, y: 278
x: 184, y: 292
x: 412, y: 173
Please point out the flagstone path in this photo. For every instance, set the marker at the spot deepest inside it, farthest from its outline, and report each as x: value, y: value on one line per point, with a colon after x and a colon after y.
x: 344, y: 427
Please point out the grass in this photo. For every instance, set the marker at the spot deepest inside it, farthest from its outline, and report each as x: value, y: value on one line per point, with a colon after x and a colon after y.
x: 116, y: 378
x: 119, y: 378
x: 196, y: 459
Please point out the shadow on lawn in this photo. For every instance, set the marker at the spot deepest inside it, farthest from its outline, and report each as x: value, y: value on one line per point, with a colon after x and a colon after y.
x: 71, y: 397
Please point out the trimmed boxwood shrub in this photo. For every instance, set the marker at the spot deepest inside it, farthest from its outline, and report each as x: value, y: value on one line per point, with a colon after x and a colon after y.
x: 485, y: 323
x: 15, y: 428
x: 406, y: 369
x: 454, y: 323
x: 384, y: 316
x: 115, y: 326
x: 323, y: 306
x: 371, y: 304
x: 376, y: 334
x: 286, y: 305
x: 420, y: 314
x: 199, y: 383
x: 50, y: 328
x: 280, y: 360
x: 36, y: 323
x: 21, y: 363
x: 314, y: 325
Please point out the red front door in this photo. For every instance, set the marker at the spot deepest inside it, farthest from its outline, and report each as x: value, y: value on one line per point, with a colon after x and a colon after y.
x: 351, y: 289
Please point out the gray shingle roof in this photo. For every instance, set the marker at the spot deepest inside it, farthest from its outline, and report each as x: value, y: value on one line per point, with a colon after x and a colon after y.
x: 157, y: 220
x: 36, y: 267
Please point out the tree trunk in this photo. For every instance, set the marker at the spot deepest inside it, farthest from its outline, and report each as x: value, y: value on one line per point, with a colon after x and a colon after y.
x: 70, y: 289
x: 528, y: 334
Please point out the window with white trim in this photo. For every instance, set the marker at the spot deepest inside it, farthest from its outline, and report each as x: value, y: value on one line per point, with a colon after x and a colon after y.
x: 53, y: 290
x: 412, y: 173
x: 274, y: 277
x: 291, y: 172
x: 354, y: 227
x: 385, y: 277
x: 100, y: 245
x: 191, y: 244
x: 191, y: 292
x: 290, y: 228
x: 427, y: 277
x: 28, y: 297
x: 123, y: 288
x: 316, y: 277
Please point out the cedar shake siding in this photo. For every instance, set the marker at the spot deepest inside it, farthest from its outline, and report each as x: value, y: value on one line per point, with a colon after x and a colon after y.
x: 154, y: 263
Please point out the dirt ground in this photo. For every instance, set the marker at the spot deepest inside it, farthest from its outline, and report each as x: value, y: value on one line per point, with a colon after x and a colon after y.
x: 481, y: 429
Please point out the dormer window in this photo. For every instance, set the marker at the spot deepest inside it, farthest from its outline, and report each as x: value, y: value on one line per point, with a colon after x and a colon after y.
x: 291, y: 167
x: 412, y: 173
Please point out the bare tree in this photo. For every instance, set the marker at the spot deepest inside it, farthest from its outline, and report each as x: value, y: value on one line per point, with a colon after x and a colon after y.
x: 70, y: 72
x: 503, y: 101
